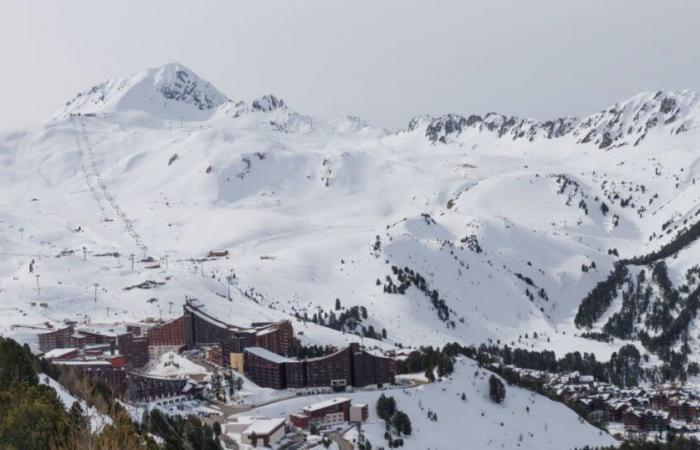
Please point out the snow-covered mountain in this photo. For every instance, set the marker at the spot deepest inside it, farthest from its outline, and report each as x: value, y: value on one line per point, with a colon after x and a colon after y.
x: 625, y: 123
x: 453, y: 229
x: 169, y: 92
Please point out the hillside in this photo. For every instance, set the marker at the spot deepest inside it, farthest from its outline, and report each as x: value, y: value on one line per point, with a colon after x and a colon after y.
x: 453, y: 229
x: 524, y: 420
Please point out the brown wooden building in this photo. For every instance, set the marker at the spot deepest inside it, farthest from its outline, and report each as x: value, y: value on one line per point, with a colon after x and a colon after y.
x: 202, y: 329
x: 102, y: 371
x: 350, y: 366
x: 265, y: 368
x: 61, y: 338
x: 170, y: 334
x: 133, y: 347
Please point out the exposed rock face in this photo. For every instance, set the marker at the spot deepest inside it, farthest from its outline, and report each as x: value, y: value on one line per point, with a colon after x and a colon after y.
x: 167, y: 92
x: 185, y: 87
x: 626, y: 123
x: 267, y: 103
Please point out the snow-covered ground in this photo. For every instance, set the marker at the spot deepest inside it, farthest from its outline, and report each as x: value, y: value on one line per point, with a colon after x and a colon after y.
x: 496, y: 215
x: 524, y: 419
x: 171, y: 364
x: 320, y: 212
x: 97, y: 420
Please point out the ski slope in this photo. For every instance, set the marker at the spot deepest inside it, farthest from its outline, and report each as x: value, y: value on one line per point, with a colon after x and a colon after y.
x: 496, y: 214
x: 524, y: 419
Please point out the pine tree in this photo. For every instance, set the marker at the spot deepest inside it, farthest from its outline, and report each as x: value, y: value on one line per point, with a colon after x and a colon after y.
x: 386, y: 407
x: 16, y: 364
x: 497, y: 390
x: 76, y: 417
x: 429, y: 374
x: 401, y: 423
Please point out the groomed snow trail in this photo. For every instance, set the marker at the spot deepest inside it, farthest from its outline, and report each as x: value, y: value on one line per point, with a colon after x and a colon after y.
x: 93, y: 177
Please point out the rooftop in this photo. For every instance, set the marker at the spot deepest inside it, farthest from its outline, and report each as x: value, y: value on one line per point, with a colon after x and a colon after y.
x: 246, y: 419
x: 268, y: 355
x: 58, y: 352
x: 107, y: 330
x: 82, y: 362
x: 220, y: 314
x: 264, y: 426
x: 325, y: 404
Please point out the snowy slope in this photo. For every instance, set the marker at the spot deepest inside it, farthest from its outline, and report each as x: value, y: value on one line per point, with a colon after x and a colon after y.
x: 480, y: 235
x: 97, y: 420
x: 524, y: 420
x: 168, y: 92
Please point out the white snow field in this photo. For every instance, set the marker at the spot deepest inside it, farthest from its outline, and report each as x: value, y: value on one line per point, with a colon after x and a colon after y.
x: 170, y: 364
x: 161, y: 164
x: 524, y: 419
x: 495, y: 216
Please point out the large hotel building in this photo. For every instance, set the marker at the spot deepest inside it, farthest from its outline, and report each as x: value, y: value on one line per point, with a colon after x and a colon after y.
x: 264, y: 352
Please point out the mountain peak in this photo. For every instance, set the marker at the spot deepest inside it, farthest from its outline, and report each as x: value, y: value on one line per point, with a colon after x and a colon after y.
x: 629, y: 122
x: 625, y: 123
x: 171, y: 91
x: 267, y: 103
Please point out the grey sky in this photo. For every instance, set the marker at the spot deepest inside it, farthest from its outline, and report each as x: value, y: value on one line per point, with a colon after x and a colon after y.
x: 383, y: 60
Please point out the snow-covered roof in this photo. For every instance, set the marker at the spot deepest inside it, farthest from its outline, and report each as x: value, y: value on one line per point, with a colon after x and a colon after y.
x: 268, y: 355
x: 318, y: 358
x: 83, y: 362
x: 198, y: 308
x: 58, y: 352
x: 264, y: 426
x: 246, y: 419
x: 171, y: 364
x: 267, y: 330
x: 97, y: 346
x: 325, y: 404
x: 159, y: 377
x: 110, y: 330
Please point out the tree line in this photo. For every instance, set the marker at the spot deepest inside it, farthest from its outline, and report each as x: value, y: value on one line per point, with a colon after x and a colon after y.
x: 33, y: 417
x: 397, y: 422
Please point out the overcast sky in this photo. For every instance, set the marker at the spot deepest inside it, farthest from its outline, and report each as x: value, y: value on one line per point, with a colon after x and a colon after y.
x: 383, y: 60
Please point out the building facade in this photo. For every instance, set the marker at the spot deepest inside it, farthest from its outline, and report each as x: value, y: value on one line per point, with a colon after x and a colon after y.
x: 330, y: 412
x: 170, y: 334
x: 149, y: 388
x: 331, y: 370
x: 133, y: 347
x: 61, y: 338
x: 100, y: 371
x: 265, y: 368
x: 202, y: 329
x: 350, y: 366
x: 370, y: 369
